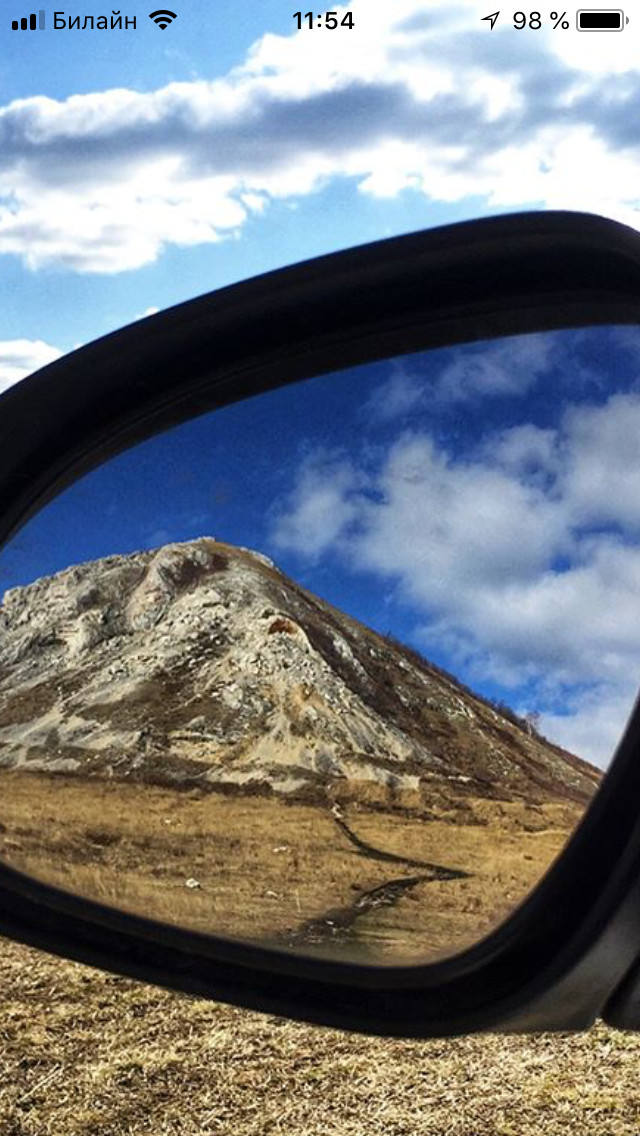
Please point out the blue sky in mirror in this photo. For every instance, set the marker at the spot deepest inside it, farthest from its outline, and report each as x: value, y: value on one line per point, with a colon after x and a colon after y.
x: 140, y: 168
x: 478, y: 502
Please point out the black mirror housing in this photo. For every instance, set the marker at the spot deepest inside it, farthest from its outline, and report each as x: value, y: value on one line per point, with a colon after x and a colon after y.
x: 569, y: 953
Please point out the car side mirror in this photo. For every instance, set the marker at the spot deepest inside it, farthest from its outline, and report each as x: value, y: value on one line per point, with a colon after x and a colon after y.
x: 318, y: 636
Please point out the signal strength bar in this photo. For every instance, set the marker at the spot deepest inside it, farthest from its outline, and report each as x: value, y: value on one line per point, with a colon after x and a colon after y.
x: 30, y: 22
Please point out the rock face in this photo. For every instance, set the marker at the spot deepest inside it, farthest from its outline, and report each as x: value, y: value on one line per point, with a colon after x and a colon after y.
x: 201, y: 664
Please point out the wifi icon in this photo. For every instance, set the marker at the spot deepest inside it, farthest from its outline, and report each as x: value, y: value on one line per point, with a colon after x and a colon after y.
x: 162, y: 17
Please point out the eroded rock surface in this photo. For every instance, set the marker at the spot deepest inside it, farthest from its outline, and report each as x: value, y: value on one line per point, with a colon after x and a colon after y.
x: 201, y: 663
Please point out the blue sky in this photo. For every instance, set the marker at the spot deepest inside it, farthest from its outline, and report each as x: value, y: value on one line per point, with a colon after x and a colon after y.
x: 479, y: 502
x: 140, y: 169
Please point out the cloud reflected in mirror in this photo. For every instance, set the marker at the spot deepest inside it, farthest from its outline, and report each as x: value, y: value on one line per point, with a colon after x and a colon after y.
x: 338, y: 668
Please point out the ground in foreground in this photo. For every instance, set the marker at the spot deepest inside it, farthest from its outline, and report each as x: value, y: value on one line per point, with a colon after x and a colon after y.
x: 89, y: 1054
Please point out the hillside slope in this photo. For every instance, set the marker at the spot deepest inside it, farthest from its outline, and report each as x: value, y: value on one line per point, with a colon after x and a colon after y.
x: 203, y: 663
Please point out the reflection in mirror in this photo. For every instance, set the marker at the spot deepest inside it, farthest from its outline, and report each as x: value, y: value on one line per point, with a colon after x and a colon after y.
x: 337, y: 668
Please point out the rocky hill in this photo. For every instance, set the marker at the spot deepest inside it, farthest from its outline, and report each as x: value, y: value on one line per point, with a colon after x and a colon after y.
x: 201, y: 664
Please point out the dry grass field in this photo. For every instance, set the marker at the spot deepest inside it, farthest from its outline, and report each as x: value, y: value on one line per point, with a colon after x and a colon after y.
x: 350, y: 880
x: 83, y: 1053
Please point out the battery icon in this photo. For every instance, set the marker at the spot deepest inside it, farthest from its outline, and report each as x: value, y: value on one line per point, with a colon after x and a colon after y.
x: 601, y: 20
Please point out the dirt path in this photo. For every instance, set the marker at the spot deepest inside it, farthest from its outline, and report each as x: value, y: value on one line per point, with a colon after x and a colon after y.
x: 340, y: 924
x: 439, y: 872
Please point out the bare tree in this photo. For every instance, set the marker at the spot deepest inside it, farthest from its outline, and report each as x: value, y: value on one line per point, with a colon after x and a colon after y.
x: 532, y: 720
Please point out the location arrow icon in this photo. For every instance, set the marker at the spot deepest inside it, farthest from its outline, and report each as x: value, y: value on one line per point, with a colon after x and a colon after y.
x: 493, y: 19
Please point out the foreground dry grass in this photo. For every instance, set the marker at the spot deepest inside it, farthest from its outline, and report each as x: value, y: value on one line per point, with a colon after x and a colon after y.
x: 89, y: 1054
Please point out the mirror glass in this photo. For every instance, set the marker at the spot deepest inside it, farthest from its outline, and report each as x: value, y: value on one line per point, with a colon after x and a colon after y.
x: 337, y: 668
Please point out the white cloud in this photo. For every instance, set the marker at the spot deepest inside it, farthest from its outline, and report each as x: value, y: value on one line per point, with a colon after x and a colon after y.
x: 517, y: 555
x: 320, y: 508
x: 20, y: 357
x: 440, y: 521
x: 594, y: 726
x: 411, y: 98
x: 601, y: 479
x: 404, y: 391
x: 508, y: 366
x: 527, y: 452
